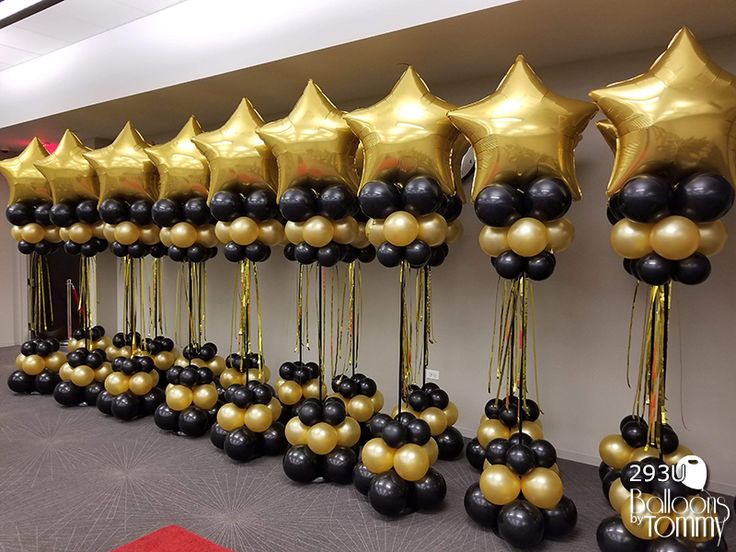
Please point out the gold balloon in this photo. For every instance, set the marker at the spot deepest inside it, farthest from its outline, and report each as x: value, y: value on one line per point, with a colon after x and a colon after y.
x: 222, y: 231
x: 198, y: 362
x: 614, y: 451
x: 270, y: 232
x: 377, y: 400
x: 178, y: 397
x: 230, y: 376
x: 217, y: 365
x: 374, y: 232
x: 53, y: 234
x: 19, y: 360
x: 258, y: 418
x: 206, y: 236
x: 528, y: 237
x: 32, y: 232
x: 618, y: 494
x: 405, y: 134
x: 435, y: 418
x: 455, y: 231
x: 231, y: 417
x: 80, y: 232
x: 321, y: 438
x: 65, y: 372
x: 70, y: 176
x: 64, y: 234
x: 33, y: 365
x: 635, y: 515
x: 499, y: 484
x: 361, y: 239
x: 377, y: 456
x: 25, y: 181
x: 123, y: 168
x: 149, y: 234
x: 561, y: 232
x: 533, y: 429
x: 163, y: 360
x: 183, y: 234
x: 345, y: 230
x: 108, y: 232
x: 348, y: 433
x: 493, y: 240
x: 713, y: 237
x: 639, y: 454
x: 433, y: 451
x: 182, y: 169
x: 400, y: 228
x: 679, y: 454
x: 630, y: 239
x: 98, y: 229
x: 141, y: 383
x: 117, y: 383
x: 678, y: 116
x: 542, y: 487
x: 675, y: 238
x: 411, y: 462
x: 54, y: 361
x: 523, y: 130
x: 312, y: 144
x: 274, y: 405
x: 360, y: 407
x: 15, y: 233
x: 204, y: 396
x: 165, y: 236
x: 290, y: 393
x: 318, y: 231
x: 294, y: 232
x: 451, y: 413
x: 432, y: 229
x: 311, y: 390
x: 103, y: 371
x: 127, y: 232
x: 488, y: 430
x: 127, y: 352
x: 82, y: 376
x: 296, y: 431
x: 243, y: 230
x: 111, y: 351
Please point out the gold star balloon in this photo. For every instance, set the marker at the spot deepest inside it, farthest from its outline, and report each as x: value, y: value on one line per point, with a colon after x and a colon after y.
x: 608, y: 131
x: 406, y: 134
x: 313, y: 144
x: 123, y: 168
x: 70, y: 175
x: 523, y: 130
x: 677, y: 117
x: 25, y: 181
x: 237, y: 156
x: 183, y: 170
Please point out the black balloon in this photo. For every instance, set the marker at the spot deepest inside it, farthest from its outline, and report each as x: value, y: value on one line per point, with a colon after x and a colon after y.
x: 703, y: 197
x: 336, y: 202
x: 449, y: 444
x: 68, y: 394
x: 367, y: 254
x: 196, y: 211
x: 670, y: 545
x: 388, y: 494
x: 329, y: 255
x: 165, y: 212
x: 339, y: 464
x: 439, y: 254
x: 417, y: 253
x: 509, y: 265
x: 104, y: 403
x: 46, y: 381
x: 520, y: 459
x: 545, y: 454
x: 62, y: 214
x: 395, y: 434
x: 521, y: 524
x: 86, y: 211
x: 452, y: 208
x: 165, y: 418
x: 654, y: 270
x: 151, y: 400
x: 612, y: 536
x: 389, y: 255
x: 91, y: 392
x: 377, y: 423
x: 241, y: 445
x: 499, y: 205
x: 20, y: 382
x: 635, y: 433
x: 644, y: 198
x: 560, y: 519
x: 379, y: 199
x: 305, y: 253
x: 257, y: 252
x: 362, y: 478
x: 479, y: 509
x: 421, y: 195
x: 496, y: 451
x: 612, y: 216
x: 608, y: 480
x: 540, y: 267
x: 126, y: 406
x: 430, y: 490
x: 112, y: 211
x: 234, y: 252
x: 547, y: 199
x: 420, y: 433
x: 289, y: 252
x: 19, y: 214
x: 668, y: 440
x: 603, y: 470
x: 301, y: 464
x: 693, y: 270
x: 226, y: 206
x: 140, y: 212
x: 217, y: 436
x: 297, y: 204
x: 260, y: 204
x: 273, y: 440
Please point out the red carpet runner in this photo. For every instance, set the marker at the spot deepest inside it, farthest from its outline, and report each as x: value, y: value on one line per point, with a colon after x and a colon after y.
x: 171, y: 539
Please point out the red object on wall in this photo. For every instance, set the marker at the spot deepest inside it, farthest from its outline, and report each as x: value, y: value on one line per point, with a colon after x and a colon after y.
x: 171, y: 538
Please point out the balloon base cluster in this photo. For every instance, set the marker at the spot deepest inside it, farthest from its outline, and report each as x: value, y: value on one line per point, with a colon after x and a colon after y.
x: 298, y: 381
x: 236, y: 366
x: 86, y: 366
x: 38, y: 365
x: 361, y: 398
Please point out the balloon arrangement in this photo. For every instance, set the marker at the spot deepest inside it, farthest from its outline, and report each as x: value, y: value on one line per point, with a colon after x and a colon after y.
x: 361, y: 397
x: 672, y: 180
x: 524, y: 137
x: 38, y: 365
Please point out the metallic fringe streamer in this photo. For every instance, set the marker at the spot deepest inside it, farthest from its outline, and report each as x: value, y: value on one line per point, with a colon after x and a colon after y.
x: 40, y: 305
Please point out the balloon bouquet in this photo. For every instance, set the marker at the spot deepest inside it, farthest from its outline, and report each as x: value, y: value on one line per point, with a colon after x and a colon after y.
x: 29, y: 204
x: 671, y: 130
x: 409, y: 192
x: 128, y: 183
x: 317, y: 182
x: 243, y: 201
x: 524, y: 137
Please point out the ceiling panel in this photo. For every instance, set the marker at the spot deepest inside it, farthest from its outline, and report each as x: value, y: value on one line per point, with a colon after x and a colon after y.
x: 29, y: 41
x: 103, y: 15
x: 13, y: 56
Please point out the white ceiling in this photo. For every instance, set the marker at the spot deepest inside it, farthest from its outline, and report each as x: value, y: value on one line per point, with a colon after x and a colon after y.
x: 69, y: 22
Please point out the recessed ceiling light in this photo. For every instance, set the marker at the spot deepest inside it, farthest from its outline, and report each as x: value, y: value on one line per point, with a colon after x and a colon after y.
x: 12, y: 11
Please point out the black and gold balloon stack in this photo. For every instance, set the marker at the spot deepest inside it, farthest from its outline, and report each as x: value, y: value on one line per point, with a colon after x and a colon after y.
x: 86, y: 364
x: 297, y: 381
x: 666, y: 209
x: 361, y: 397
x: 37, y: 367
x: 522, y: 200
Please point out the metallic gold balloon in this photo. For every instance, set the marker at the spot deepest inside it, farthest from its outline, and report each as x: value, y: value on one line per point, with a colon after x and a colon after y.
x: 713, y: 237
x: 108, y: 232
x: 53, y: 362
x: 183, y: 234
x: 451, y: 413
x: 231, y: 417
x: 523, y: 130
x: 178, y: 397
x: 243, y: 231
x: 32, y: 232
x: 270, y: 232
x: 360, y: 407
x: 206, y: 236
x: 127, y: 352
x: 400, y: 228
x: 69, y: 174
x: 64, y: 234
x: 636, y: 517
x: 274, y: 405
x: 405, y: 134
x: 294, y: 232
x: 237, y: 156
x: 678, y: 116
x: 51, y: 234
x: 290, y: 393
x: 204, y: 396
x: 98, y: 229
x: 15, y: 233
x: 222, y: 231
x: 560, y: 233
x: 542, y: 487
x: 630, y: 239
x: 493, y: 240
x: 679, y: 454
x: 230, y: 376
x: 149, y: 234
x: 258, y: 418
x: 33, y: 364
x: 20, y: 357
x: 127, y: 232
x: 455, y: 231
x: 318, y: 231
x: 141, y: 383
x: 377, y: 456
x: 82, y: 376
x: 527, y: 237
x: 618, y: 494
x: 103, y: 371
x: 111, y: 352
x: 361, y: 239
x: 374, y: 232
x: 433, y: 451
x: 533, y: 429
x: 165, y: 236
x: 499, y: 484
x: 183, y: 170
x: 163, y: 360
x: 345, y: 230
x: 411, y: 462
x: 65, y: 372
x: 675, y: 238
x: 312, y: 144
x: 296, y: 432
x: 614, y: 451
x: 432, y: 229
x: 348, y: 432
x: 321, y: 438
x: 608, y: 131
x: 123, y: 168
x: 116, y: 383
x: 639, y: 454
x: 217, y: 365
x: 377, y: 400
x: 488, y: 430
x: 435, y: 418
x: 312, y: 390
x: 25, y: 181
x: 80, y: 232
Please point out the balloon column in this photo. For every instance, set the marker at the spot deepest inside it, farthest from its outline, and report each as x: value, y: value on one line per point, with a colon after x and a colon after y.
x: 37, y: 367
x: 523, y: 136
x: 672, y: 181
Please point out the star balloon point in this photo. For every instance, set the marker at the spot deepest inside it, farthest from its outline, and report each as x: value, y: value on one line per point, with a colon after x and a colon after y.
x: 25, y: 181
x: 70, y: 176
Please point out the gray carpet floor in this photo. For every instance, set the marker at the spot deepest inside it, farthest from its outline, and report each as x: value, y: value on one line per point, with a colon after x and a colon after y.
x: 74, y: 480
